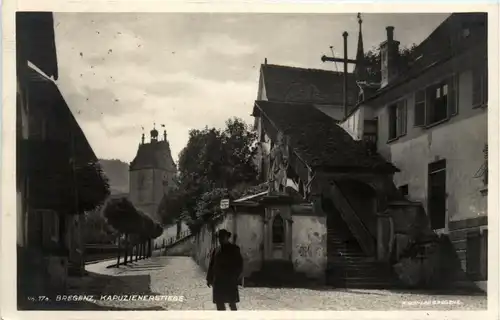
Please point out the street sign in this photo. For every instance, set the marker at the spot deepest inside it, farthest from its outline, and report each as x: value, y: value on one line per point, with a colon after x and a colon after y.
x: 224, y: 204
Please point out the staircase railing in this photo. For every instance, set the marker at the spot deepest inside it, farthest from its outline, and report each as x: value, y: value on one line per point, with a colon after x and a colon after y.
x: 356, y: 226
x: 171, y: 240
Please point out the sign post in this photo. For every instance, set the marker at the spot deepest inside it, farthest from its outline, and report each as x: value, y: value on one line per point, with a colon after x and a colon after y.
x: 224, y: 204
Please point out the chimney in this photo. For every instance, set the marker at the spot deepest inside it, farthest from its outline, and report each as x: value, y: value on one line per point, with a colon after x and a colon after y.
x: 389, y: 57
x: 390, y: 33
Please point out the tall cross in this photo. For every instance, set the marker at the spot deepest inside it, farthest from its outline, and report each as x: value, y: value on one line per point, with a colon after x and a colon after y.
x: 345, y: 61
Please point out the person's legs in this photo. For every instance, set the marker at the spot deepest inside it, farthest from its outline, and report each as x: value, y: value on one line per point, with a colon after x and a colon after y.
x: 232, y: 306
x: 221, y: 306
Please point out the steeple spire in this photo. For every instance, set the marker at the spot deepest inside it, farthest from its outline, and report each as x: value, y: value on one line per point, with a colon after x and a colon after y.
x: 360, y: 71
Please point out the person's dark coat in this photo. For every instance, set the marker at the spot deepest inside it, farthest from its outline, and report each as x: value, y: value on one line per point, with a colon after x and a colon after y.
x: 226, y: 265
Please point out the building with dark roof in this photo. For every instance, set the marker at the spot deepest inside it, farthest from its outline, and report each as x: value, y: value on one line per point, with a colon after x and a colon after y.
x: 348, y: 200
x: 317, y: 139
x: 152, y: 174
x: 57, y: 181
x: 321, y: 88
x: 431, y: 121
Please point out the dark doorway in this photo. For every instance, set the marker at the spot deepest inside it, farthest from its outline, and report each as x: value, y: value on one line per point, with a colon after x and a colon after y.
x: 436, y: 206
x: 278, y: 230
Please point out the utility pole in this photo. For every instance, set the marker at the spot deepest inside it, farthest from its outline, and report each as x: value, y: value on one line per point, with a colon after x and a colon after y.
x: 345, y: 60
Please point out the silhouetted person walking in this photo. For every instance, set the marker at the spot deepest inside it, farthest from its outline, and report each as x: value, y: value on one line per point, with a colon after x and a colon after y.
x: 224, y: 271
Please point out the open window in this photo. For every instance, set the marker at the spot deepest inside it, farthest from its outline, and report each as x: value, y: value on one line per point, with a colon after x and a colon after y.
x: 436, y: 103
x: 397, y: 119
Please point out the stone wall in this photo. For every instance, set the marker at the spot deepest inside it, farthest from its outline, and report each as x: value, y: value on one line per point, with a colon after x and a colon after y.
x: 250, y: 238
x: 203, y: 245
x: 169, y: 232
x: 308, y: 242
x: 309, y: 245
x: 183, y: 248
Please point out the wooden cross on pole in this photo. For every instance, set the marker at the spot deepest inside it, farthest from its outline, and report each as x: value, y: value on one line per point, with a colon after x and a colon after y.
x: 345, y: 60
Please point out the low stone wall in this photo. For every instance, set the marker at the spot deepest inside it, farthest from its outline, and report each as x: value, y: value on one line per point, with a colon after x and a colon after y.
x: 182, y: 248
x: 168, y: 232
x: 308, y: 242
x: 203, y: 244
x: 246, y: 232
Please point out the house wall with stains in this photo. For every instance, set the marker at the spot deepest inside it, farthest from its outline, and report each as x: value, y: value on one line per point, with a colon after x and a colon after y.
x: 248, y: 229
x: 309, y: 245
x: 462, y: 146
x: 203, y: 246
x: 249, y: 232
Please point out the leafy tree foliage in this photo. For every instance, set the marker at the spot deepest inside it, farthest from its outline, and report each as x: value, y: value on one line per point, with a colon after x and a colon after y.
x: 212, y: 163
x: 372, y: 58
x: 97, y: 230
x: 126, y: 219
x: 92, y: 186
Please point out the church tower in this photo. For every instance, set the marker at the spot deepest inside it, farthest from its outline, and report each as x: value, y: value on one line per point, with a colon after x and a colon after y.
x: 360, y: 70
x: 151, y: 173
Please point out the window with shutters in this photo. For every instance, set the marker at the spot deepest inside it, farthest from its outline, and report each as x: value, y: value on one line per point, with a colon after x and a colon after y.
x: 436, y: 103
x: 480, y: 86
x: 419, y: 108
x: 397, y: 119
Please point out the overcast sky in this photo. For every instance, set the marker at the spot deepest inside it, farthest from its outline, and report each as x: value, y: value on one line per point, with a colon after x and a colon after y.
x: 120, y: 72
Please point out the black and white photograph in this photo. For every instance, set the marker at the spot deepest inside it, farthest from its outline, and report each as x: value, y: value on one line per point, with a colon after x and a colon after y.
x: 251, y: 161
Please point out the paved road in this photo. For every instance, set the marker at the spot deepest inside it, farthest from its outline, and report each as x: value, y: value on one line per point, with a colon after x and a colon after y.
x: 180, y: 276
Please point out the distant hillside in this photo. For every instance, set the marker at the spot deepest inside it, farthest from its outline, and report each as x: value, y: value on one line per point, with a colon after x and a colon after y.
x: 117, y: 173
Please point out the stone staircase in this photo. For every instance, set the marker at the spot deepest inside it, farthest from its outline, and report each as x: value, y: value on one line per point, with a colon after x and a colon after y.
x: 348, y: 265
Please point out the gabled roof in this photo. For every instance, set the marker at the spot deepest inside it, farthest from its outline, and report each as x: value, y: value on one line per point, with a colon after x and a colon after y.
x: 291, y: 84
x: 45, y: 99
x: 35, y: 41
x: 155, y: 155
x: 319, y: 141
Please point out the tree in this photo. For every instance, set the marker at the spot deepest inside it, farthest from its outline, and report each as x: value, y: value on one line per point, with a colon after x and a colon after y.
x: 372, y: 58
x: 138, y: 228
x: 212, y: 160
x: 92, y: 186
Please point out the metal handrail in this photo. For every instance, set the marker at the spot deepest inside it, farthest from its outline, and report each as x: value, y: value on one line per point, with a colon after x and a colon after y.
x: 169, y: 241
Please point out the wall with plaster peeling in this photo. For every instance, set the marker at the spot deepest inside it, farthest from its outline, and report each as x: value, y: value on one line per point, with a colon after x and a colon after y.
x: 460, y: 141
x: 461, y: 144
x: 248, y: 229
x: 309, y: 245
x: 250, y: 239
x: 203, y: 245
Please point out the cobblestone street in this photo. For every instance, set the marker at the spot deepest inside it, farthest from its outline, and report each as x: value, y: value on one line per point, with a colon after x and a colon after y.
x: 180, y: 276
